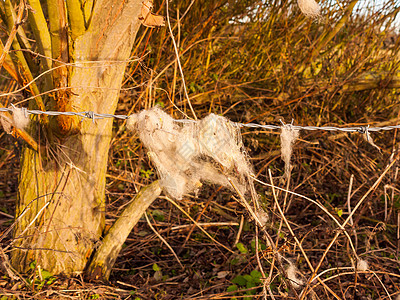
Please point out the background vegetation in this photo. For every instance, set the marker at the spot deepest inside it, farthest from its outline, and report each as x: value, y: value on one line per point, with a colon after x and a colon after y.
x: 253, y: 61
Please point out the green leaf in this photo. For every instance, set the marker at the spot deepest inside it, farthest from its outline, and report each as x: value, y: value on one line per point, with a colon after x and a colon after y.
x: 160, y: 103
x: 339, y: 212
x: 239, y: 280
x: 32, y: 265
x: 158, y: 215
x: 156, y: 267
x: 253, y: 246
x: 256, y: 275
x: 46, y: 274
x: 246, y: 226
x: 242, y: 248
x: 51, y: 280
x: 232, y: 288
x: 250, y: 284
x: 248, y: 278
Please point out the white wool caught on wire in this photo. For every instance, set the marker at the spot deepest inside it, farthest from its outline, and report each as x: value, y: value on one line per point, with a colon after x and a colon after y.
x: 288, y: 137
x: 310, y: 8
x: 369, y: 139
x: 20, y: 118
x: 291, y: 272
x: 186, y: 154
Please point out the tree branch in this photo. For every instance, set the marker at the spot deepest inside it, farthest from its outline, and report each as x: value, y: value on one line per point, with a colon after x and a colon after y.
x: 41, y: 32
x: 24, y: 74
x: 8, y: 63
x: 105, y: 256
x: 13, y: 29
x: 87, y: 6
x: 58, y: 29
x: 76, y: 20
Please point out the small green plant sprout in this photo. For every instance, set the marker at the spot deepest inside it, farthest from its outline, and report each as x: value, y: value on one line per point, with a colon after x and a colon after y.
x: 249, y: 281
x: 146, y: 173
x: 261, y: 246
x: 339, y: 212
x: 158, y: 274
x: 242, y: 248
x: 40, y: 276
x: 160, y: 104
x: 158, y: 215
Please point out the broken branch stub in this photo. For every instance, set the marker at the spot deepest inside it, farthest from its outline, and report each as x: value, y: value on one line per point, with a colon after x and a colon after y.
x: 106, y: 255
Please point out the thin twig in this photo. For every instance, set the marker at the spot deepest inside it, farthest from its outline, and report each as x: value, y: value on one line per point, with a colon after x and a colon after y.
x: 163, y: 240
x: 197, y: 224
x: 374, y: 186
x: 179, y: 62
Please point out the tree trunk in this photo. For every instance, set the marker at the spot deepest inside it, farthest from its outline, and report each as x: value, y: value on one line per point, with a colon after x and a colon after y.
x: 60, y: 211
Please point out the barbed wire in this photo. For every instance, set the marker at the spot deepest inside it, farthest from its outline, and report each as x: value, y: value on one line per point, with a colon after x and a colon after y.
x: 98, y: 116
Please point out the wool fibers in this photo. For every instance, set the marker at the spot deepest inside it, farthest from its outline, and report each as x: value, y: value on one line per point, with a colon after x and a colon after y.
x: 20, y: 118
x: 288, y: 137
x: 362, y: 265
x: 310, y: 8
x: 292, y: 276
x: 6, y: 123
x: 187, y: 154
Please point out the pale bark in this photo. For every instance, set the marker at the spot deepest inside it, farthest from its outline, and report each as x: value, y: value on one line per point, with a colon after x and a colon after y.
x: 105, y: 257
x: 70, y: 183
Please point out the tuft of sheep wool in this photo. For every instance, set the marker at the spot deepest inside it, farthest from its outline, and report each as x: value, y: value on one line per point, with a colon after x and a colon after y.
x: 369, y: 139
x: 20, y: 119
x: 187, y: 154
x: 362, y: 265
x: 6, y: 123
x: 221, y: 140
x: 309, y: 8
x: 131, y: 122
x: 262, y: 216
x: 292, y: 276
x: 288, y: 137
